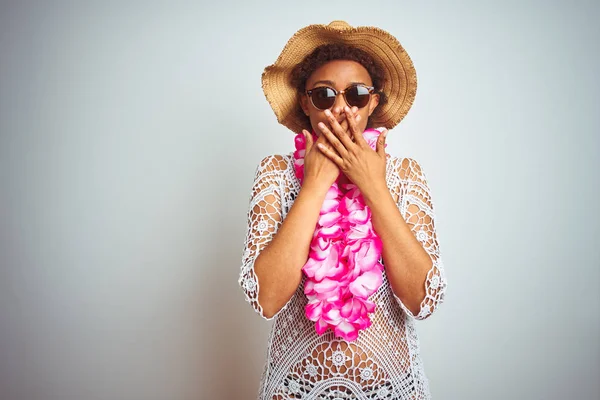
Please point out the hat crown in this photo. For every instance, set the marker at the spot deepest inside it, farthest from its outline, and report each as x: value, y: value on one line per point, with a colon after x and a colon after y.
x: 341, y: 25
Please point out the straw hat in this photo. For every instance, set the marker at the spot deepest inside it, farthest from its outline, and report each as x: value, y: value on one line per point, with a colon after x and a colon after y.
x: 400, y: 84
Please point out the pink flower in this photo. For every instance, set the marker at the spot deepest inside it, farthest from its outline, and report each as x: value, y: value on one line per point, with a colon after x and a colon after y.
x: 363, y: 322
x: 314, y: 310
x: 321, y: 247
x: 328, y: 289
x: 330, y: 267
x: 347, y: 331
x: 351, y: 309
x: 332, y: 232
x: 330, y: 205
x: 371, y: 136
x: 321, y: 326
x: 311, y: 267
x: 363, y: 231
x: 360, y: 216
x: 348, y: 205
x: 366, y: 284
x: 332, y: 316
x: 366, y: 253
x: 332, y: 201
x: 329, y: 219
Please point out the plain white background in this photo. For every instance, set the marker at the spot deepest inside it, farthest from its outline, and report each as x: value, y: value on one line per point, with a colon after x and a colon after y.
x: 130, y: 132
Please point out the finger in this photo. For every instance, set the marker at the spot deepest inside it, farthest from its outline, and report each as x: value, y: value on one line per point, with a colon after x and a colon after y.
x: 339, y: 132
x: 358, y: 118
x: 344, y: 124
x: 354, y: 111
x: 323, y: 140
x: 354, y: 129
x: 308, y: 140
x: 381, y: 143
x: 332, y: 155
x: 333, y: 139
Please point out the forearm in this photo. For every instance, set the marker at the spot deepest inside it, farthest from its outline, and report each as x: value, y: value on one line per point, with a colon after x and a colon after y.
x: 279, y: 266
x: 406, y: 262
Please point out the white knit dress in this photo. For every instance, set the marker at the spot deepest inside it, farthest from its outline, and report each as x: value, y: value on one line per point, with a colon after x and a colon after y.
x: 384, y: 362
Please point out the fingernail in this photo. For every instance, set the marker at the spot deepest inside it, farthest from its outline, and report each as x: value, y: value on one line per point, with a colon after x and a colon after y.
x: 328, y: 113
x: 358, y: 118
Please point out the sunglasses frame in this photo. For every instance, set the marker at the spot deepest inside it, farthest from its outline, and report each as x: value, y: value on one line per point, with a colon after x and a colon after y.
x: 370, y: 89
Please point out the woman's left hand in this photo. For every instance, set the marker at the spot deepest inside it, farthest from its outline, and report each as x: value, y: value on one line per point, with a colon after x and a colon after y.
x: 364, y: 166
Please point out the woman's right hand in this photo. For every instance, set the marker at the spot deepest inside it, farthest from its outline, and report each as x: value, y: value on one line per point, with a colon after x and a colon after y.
x: 319, y: 170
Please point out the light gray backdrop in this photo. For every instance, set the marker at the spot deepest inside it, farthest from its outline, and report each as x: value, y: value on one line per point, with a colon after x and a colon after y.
x: 130, y: 132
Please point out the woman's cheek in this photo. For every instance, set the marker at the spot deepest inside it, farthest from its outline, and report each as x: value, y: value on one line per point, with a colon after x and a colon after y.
x: 314, y: 121
x: 364, y: 118
x: 315, y: 126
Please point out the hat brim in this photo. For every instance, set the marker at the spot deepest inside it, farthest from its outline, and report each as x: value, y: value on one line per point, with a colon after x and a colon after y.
x: 400, y: 84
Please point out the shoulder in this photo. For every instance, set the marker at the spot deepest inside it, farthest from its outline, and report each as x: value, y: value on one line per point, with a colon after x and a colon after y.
x: 408, y: 168
x: 275, y: 163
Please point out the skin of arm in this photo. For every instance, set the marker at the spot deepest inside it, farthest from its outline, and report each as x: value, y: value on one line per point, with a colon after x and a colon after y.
x: 406, y: 261
x: 279, y: 266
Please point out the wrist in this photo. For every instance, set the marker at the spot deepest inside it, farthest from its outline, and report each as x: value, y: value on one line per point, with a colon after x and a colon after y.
x: 375, y: 192
x: 314, y: 187
x: 311, y: 196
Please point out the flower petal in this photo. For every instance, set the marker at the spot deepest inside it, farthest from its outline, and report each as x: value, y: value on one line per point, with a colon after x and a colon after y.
x: 346, y: 331
x: 329, y: 219
x: 366, y: 284
x: 321, y: 326
x: 314, y: 310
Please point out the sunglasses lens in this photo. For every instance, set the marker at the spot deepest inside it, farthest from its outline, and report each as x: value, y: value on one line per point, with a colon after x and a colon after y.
x: 358, y: 96
x: 323, y: 98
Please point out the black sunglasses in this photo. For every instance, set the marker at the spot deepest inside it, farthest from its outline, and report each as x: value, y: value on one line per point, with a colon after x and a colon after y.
x: 357, y: 95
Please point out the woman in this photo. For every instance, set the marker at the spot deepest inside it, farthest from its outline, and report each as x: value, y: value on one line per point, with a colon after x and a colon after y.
x: 341, y: 249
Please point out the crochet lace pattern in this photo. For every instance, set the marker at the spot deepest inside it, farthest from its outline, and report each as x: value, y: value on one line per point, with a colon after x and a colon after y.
x: 384, y: 362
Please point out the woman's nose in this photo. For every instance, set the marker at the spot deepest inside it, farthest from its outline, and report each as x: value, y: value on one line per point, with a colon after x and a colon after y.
x: 338, y: 105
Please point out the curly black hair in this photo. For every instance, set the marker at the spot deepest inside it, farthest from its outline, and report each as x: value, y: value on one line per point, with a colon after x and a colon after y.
x: 337, y: 51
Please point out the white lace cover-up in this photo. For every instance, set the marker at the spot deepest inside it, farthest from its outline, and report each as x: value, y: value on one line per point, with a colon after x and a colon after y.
x: 384, y: 362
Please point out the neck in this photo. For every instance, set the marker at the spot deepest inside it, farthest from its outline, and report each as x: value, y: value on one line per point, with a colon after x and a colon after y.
x: 343, y: 179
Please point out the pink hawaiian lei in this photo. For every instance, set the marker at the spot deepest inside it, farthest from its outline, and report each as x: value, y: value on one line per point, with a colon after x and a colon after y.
x: 343, y: 267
